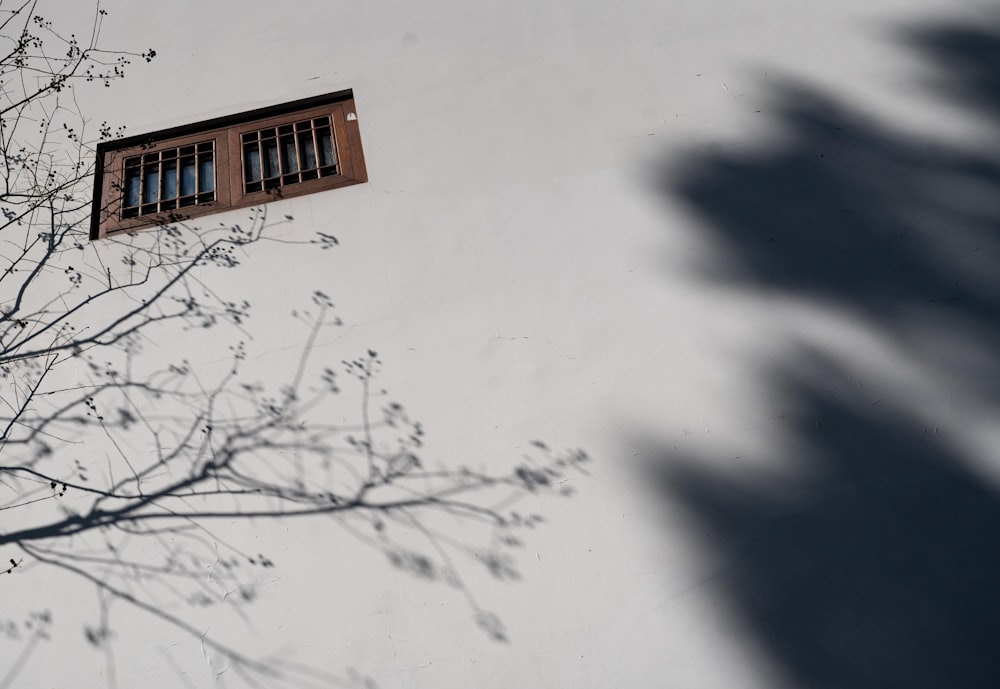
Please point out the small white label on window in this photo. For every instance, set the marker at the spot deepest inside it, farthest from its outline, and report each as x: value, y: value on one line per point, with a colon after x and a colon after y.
x: 351, y: 117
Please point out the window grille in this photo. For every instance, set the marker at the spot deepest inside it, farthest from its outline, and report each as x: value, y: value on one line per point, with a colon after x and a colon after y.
x: 231, y: 162
x: 289, y: 154
x: 169, y: 179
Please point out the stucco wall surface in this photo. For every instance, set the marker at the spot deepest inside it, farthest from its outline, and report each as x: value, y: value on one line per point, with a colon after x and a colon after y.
x: 742, y: 253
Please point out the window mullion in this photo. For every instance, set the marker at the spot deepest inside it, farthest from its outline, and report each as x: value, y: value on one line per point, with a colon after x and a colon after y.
x: 312, y: 131
x: 142, y: 182
x: 298, y: 153
x: 161, y: 182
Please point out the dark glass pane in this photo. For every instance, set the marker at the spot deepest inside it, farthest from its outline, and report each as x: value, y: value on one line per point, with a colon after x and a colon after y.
x: 170, y: 180
x: 187, y: 176
x: 151, y: 188
x: 251, y: 162
x: 325, y: 147
x: 132, y: 187
x: 307, y: 151
x: 206, y: 172
x: 289, y: 161
x: 271, y: 168
x: 187, y: 151
x: 249, y: 137
x: 285, y: 129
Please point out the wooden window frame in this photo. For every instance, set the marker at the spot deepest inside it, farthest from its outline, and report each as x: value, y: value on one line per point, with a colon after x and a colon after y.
x: 226, y: 132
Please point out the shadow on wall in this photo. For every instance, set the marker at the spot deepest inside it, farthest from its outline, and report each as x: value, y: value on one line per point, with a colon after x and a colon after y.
x: 875, y: 562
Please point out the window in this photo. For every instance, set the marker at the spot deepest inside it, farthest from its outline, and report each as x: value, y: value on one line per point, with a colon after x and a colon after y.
x: 151, y: 180
x: 230, y: 162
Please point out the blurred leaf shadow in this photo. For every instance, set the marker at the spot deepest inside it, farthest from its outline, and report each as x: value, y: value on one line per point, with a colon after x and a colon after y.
x: 873, y: 559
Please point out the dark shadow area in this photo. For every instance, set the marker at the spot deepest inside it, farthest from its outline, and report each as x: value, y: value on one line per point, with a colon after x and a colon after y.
x: 874, y: 560
x: 875, y: 563
x: 967, y: 58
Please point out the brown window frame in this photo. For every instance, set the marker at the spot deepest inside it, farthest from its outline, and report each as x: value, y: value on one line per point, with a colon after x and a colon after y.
x: 226, y: 133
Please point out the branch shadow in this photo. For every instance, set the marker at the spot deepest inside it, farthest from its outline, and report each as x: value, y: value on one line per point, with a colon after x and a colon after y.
x: 185, y: 455
x: 122, y: 475
x: 120, y: 470
x: 872, y: 559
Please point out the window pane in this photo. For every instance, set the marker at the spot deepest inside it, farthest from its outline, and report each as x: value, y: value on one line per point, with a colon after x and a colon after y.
x: 308, y: 151
x: 206, y: 172
x: 132, y: 187
x: 288, y: 154
x: 325, y: 147
x: 170, y: 180
x: 288, y: 158
x: 187, y: 176
x: 152, y: 187
x: 251, y: 162
x: 271, y: 158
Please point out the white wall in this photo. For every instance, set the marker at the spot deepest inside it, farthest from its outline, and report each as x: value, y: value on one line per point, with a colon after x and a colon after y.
x: 550, y: 246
